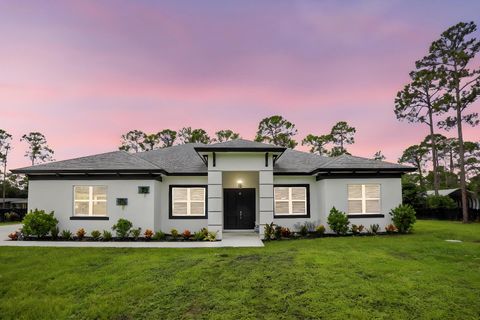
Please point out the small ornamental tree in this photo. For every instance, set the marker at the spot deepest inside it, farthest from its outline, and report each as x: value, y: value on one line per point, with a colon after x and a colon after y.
x: 338, y: 221
x: 122, y: 228
x: 38, y: 223
x: 403, y: 217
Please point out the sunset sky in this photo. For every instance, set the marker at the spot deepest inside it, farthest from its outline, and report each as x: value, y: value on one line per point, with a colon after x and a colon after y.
x: 84, y: 72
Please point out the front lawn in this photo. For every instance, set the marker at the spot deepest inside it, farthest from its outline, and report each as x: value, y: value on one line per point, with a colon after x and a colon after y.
x: 418, y: 276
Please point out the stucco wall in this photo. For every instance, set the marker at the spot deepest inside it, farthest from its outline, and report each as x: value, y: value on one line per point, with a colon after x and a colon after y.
x: 315, y: 195
x: 229, y: 165
x: 152, y: 210
x: 162, y: 220
x: 328, y: 193
x: 239, y: 161
x: 335, y: 194
x: 57, y: 195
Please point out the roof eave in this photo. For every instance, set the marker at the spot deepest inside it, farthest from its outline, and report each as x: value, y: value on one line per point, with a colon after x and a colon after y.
x: 84, y: 171
x: 239, y: 149
x: 354, y: 169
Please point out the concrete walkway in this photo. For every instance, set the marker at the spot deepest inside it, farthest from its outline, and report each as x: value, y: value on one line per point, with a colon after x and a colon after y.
x: 242, y: 239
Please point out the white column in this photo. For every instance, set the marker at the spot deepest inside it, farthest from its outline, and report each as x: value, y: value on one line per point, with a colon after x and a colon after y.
x: 266, y: 199
x: 215, y: 202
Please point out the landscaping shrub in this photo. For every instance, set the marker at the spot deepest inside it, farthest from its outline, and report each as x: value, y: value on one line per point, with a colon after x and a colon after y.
x: 404, y: 217
x: 38, y: 223
x: 373, y: 229
x: 159, y: 235
x: 66, y: 234
x: 81, y: 233
x: 354, y: 229
x: 148, y: 234
x: 285, y: 232
x: 95, y: 234
x: 186, y: 234
x: 310, y: 226
x: 136, y: 233
x: 440, y: 202
x: 204, y: 230
x: 303, y: 231
x: 12, y: 216
x: 199, y: 235
x: 269, y: 231
x: 211, y: 236
x: 13, y: 236
x: 338, y: 221
x: 107, y: 235
x: 301, y: 228
x: 278, y: 232
x: 54, y: 232
x: 174, y: 233
x: 390, y: 228
x: 122, y: 228
x: 357, y: 229
x: 320, y: 230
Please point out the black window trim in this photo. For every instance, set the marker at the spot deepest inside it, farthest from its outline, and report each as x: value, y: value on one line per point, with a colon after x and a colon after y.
x: 79, y: 217
x: 170, y: 202
x: 292, y: 216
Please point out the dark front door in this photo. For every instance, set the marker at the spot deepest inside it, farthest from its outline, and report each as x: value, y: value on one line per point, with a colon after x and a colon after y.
x: 239, y: 208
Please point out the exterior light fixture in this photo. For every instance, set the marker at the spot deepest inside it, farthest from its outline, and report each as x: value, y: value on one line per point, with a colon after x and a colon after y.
x: 240, y: 184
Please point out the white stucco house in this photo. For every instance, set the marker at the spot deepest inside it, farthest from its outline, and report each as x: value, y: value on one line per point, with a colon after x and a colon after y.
x: 235, y: 185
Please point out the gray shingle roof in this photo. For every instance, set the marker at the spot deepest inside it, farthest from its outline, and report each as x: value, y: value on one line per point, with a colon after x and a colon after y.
x: 346, y: 161
x: 297, y: 161
x: 177, y: 159
x: 110, y: 161
x: 184, y: 159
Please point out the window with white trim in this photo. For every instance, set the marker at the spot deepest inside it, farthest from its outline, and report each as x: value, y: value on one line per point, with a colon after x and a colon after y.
x: 188, y: 201
x: 363, y: 198
x: 90, y: 200
x: 290, y: 200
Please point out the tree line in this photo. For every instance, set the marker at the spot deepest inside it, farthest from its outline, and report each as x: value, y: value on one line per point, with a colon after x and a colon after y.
x: 274, y: 130
x: 443, y: 86
x: 37, y: 152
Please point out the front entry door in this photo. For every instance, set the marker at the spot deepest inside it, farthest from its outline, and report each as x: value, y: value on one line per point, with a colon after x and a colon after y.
x: 239, y: 208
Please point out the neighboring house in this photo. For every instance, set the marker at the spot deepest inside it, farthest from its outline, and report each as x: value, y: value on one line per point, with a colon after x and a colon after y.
x: 13, y: 203
x: 456, y: 194
x: 234, y: 185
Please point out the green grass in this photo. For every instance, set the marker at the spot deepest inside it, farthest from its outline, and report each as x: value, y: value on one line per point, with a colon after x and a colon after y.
x: 417, y: 276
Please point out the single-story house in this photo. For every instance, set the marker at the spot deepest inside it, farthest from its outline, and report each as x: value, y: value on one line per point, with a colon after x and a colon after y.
x: 234, y: 185
x: 473, y: 202
x: 13, y: 203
